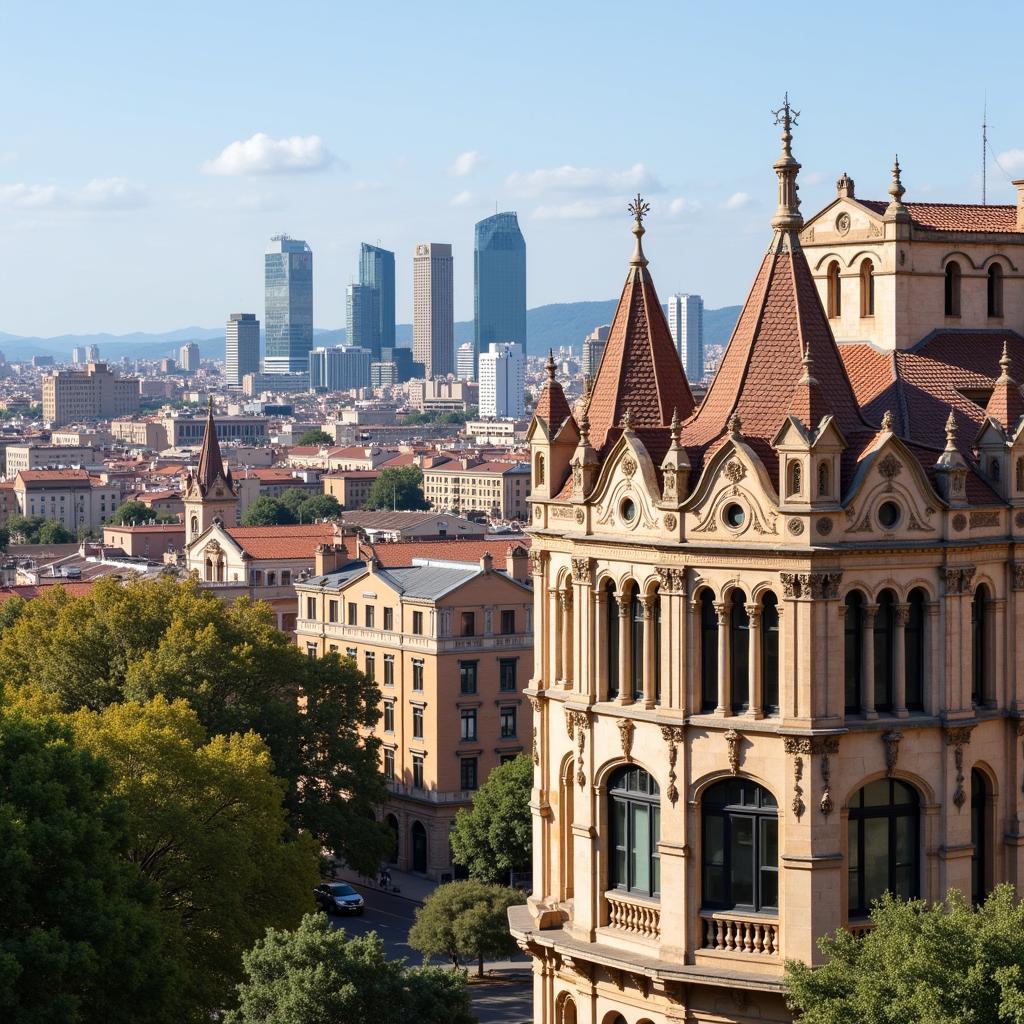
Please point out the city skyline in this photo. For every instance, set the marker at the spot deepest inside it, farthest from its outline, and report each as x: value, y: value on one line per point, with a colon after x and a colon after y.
x: 108, y: 187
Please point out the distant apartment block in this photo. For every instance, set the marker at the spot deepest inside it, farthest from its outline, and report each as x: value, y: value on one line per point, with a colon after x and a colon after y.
x: 433, y: 309
x: 288, y: 266
x: 241, y: 347
x: 502, y: 369
x: 350, y: 487
x: 187, y: 431
x: 78, y: 355
x: 47, y: 456
x: 686, y: 324
x: 188, y: 357
x: 95, y: 393
x: 340, y: 368
x: 70, y: 496
x: 443, y: 395
x: 497, y: 489
x: 593, y: 350
x: 465, y: 361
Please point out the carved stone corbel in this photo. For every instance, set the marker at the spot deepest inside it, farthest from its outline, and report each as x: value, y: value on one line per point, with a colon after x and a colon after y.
x: 578, y: 722
x: 891, y: 739
x: 626, y: 728
x: 959, y: 737
x: 673, y: 736
x: 733, y: 739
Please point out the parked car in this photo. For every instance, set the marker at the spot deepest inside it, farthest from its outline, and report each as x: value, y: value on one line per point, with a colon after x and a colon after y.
x: 338, y: 898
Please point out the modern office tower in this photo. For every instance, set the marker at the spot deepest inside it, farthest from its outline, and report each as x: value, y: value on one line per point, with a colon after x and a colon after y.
x: 92, y: 353
x: 377, y: 271
x: 383, y: 373
x: 501, y: 381
x: 241, y: 347
x: 289, y: 305
x: 686, y: 324
x: 465, y: 361
x: 75, y: 396
x: 340, y: 368
x: 593, y: 349
x: 78, y: 355
x: 188, y: 357
x: 499, y: 282
x: 433, y: 309
x: 402, y: 358
x: 362, y: 318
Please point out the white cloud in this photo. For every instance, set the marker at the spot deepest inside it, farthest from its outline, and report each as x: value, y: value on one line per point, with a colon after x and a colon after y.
x: 580, y: 209
x: 1012, y: 160
x: 570, y: 179
x: 98, y: 194
x: 466, y: 163
x: 263, y: 155
x: 737, y: 201
x: 462, y: 199
x: 680, y: 205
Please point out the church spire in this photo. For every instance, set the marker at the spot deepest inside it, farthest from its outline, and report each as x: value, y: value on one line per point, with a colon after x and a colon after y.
x: 787, y: 216
x: 211, y: 465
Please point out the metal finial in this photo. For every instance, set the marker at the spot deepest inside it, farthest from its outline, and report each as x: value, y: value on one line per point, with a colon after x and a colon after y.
x: 887, y: 419
x: 808, y: 364
x: 950, y: 431
x: 787, y: 117
x: 639, y: 209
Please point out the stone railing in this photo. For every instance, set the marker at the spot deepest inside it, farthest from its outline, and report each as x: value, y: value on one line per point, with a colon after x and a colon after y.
x: 633, y: 915
x: 860, y: 927
x: 732, y: 933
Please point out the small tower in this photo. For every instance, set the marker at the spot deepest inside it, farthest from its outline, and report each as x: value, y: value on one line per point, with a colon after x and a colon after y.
x: 209, y: 492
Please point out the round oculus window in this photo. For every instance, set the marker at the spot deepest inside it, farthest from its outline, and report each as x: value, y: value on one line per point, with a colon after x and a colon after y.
x: 735, y: 516
x: 628, y: 510
x: 888, y: 514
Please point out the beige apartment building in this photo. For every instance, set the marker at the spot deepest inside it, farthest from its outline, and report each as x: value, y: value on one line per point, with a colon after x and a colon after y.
x: 497, y: 489
x: 780, y: 641
x: 433, y: 309
x: 48, y: 456
x: 95, y: 393
x: 350, y: 487
x: 70, y: 496
x: 449, y: 643
x: 140, y: 433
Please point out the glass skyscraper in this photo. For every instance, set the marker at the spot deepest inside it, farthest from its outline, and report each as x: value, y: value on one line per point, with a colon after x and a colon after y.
x: 499, y: 283
x: 377, y: 271
x: 289, y: 305
x: 362, y: 318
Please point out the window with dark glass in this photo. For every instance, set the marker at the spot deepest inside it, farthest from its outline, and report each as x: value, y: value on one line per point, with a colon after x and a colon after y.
x: 417, y: 723
x: 389, y: 716
x: 708, y: 651
x: 468, y: 724
x: 979, y: 644
x: 417, y: 770
x: 389, y: 670
x: 311, y: 650
x: 634, y: 826
x: 417, y: 674
x: 883, y: 844
x: 913, y: 646
x: 507, y: 673
x: 611, y: 625
x: 371, y: 665
x: 417, y: 623
x: 368, y: 616
x: 469, y: 623
x: 467, y: 676
x: 770, y: 654
x: 995, y: 290
x: 853, y: 637
x: 885, y: 648
x: 389, y: 765
x: 353, y: 613
x: 310, y: 607
x: 739, y: 651
x: 740, y: 847
x: 636, y: 643
x: 980, y: 884
x: 389, y: 618
x: 332, y: 611
x: 468, y: 772
x: 952, y: 289
x: 508, y: 621
x: 351, y: 652
x: 508, y: 723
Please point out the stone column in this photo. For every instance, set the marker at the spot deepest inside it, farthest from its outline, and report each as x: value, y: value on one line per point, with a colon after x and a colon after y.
x: 899, y: 662
x: 540, y: 624
x: 867, y: 673
x: 724, y: 707
x: 554, y: 648
x: 754, y: 687
x: 625, y: 651
x: 650, y: 669
x: 599, y: 619
x: 997, y: 697
x: 565, y: 607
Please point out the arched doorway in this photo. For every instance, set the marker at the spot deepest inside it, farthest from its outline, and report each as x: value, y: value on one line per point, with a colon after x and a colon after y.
x: 392, y: 823
x: 418, y: 838
x: 981, y: 877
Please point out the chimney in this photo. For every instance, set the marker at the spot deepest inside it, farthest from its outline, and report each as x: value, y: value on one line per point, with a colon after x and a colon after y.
x: 486, y: 562
x: 328, y: 558
x: 517, y: 563
x: 1019, y: 186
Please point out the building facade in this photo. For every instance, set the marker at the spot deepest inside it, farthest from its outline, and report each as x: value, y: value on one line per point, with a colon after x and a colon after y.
x: 377, y: 271
x: 686, y: 324
x: 48, y: 456
x: 465, y: 361
x: 780, y: 648
x: 288, y: 319
x: 593, y: 350
x: 362, y: 318
x: 188, y: 357
x: 498, y: 490
x: 433, y: 309
x: 448, y: 643
x: 499, y: 283
x: 95, y: 393
x: 502, y: 379
x: 241, y: 347
x: 70, y: 497
x: 340, y: 368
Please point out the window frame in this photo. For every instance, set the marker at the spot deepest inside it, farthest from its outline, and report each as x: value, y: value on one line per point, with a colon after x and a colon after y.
x: 634, y: 790
x: 469, y: 679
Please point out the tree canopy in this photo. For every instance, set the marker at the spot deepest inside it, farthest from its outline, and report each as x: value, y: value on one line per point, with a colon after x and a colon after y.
x: 132, y: 513
x: 466, y: 921
x: 306, y: 507
x: 495, y: 836
x: 398, y: 488
x: 316, y: 436
x: 267, y: 511
x: 314, y: 975
x: 919, y: 964
x: 37, y: 530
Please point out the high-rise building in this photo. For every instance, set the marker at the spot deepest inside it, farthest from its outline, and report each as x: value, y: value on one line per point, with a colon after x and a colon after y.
x: 465, y: 361
x: 78, y: 355
x: 593, y: 349
x: 501, y: 381
x: 499, y: 282
x: 288, y: 265
x: 433, y: 309
x: 188, y: 357
x: 92, y: 353
x: 377, y: 271
x: 362, y: 317
x: 241, y: 347
x: 339, y: 368
x: 686, y: 324
x: 75, y: 396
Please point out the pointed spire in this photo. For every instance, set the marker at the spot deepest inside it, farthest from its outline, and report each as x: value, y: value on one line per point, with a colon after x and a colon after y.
x: 896, y: 210
x: 675, y: 428
x: 1004, y: 364
x: 552, y: 406
x: 550, y: 364
x: 639, y: 209
x: 211, y: 466
x: 787, y: 216
x: 1006, y: 403
x: 951, y: 431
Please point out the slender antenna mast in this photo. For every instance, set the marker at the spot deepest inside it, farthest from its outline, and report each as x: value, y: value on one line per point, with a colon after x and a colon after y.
x: 984, y: 152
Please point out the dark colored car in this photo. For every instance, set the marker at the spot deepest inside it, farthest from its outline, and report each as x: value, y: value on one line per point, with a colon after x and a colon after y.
x: 338, y: 898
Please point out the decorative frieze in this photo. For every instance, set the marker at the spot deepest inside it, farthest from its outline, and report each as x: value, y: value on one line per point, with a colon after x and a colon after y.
x: 985, y: 517
x: 1018, y: 575
x: 582, y: 571
x: 577, y: 723
x: 538, y: 562
x: 806, y: 746
x: 957, y: 578
x: 889, y: 468
x: 672, y: 580
x: 535, y: 705
x: 809, y: 586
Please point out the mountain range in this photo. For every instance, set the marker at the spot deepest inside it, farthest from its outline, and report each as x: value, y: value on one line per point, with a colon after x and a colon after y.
x: 552, y: 326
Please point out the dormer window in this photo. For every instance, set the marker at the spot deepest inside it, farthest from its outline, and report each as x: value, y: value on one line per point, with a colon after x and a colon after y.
x: 795, y: 478
x: 823, y: 480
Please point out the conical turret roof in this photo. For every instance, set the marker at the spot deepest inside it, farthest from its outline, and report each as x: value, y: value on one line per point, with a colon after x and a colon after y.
x: 552, y: 406
x: 211, y: 465
x: 1006, y: 403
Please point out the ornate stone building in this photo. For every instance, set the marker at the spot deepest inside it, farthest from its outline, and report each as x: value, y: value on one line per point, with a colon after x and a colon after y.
x: 779, y: 661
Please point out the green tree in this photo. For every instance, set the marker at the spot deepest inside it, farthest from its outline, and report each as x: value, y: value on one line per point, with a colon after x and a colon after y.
x: 318, y: 437
x: 292, y: 498
x: 5, y: 538
x: 51, y: 532
x: 315, y: 975
x: 319, y: 506
x: 81, y: 935
x: 207, y: 826
x: 132, y: 513
x: 398, y: 488
x: 494, y: 837
x: 37, y: 530
x: 920, y: 964
x: 267, y: 511
x: 239, y: 673
x: 466, y: 921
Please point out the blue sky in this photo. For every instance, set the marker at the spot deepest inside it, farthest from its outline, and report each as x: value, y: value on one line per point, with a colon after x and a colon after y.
x: 147, y: 153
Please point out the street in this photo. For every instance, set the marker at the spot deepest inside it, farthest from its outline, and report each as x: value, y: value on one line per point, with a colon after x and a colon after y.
x: 505, y: 1000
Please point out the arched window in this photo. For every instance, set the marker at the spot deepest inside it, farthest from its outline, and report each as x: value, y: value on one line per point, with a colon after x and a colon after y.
x: 739, y: 652
x: 853, y: 629
x: 952, y: 292
x: 739, y: 847
x: 611, y: 622
x: 795, y: 477
x: 979, y: 645
x: 770, y: 654
x: 657, y: 647
x: 1020, y: 473
x: 194, y: 525
x: 995, y: 290
x: 835, y: 293
x: 708, y: 651
x: 980, y: 875
x: 418, y: 844
x: 867, y: 288
x: 634, y: 826
x: 913, y: 642
x: 209, y: 569
x: 823, y: 480
x: 883, y: 852
x: 538, y: 474
x: 885, y: 649
x: 636, y: 644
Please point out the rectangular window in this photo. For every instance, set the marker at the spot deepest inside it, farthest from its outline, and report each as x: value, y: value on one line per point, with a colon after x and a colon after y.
x: 332, y: 611
x: 417, y: 623
x: 389, y: 670
x: 310, y: 607
x: 389, y: 765
x: 310, y: 650
x: 368, y: 616
x: 508, y: 622
x: 417, y: 771
x: 469, y: 623
x: 467, y: 773
x: 353, y: 614
x: 371, y: 666
x: 507, y: 674
x: 467, y: 676
x: 286, y: 577
x: 417, y: 723
x: 351, y: 652
x: 506, y: 758
x: 417, y: 674
x: 389, y: 716
x: 508, y: 723
x: 468, y: 724
x: 389, y: 618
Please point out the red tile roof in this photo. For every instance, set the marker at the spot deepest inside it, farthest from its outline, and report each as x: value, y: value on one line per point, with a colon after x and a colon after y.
x: 551, y: 406
x: 955, y: 216
x: 28, y: 590
x: 283, y: 541
x: 393, y: 556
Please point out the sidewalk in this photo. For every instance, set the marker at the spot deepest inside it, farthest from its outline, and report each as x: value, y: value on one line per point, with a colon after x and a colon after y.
x: 414, y: 888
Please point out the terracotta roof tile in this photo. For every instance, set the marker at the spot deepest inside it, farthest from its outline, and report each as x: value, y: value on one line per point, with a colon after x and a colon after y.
x: 396, y: 555
x: 552, y: 407
x: 954, y: 216
x: 283, y: 541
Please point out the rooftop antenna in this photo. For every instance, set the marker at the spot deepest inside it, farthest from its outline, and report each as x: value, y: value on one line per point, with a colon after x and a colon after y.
x: 984, y: 151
